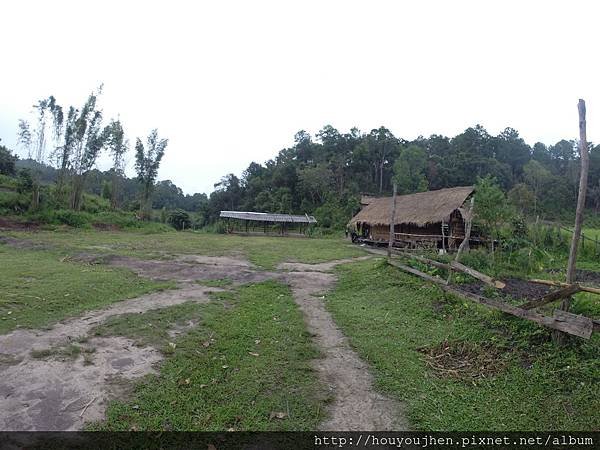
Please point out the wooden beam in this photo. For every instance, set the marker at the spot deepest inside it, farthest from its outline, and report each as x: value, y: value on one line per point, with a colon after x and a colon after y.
x: 423, y: 260
x: 577, y: 325
x: 566, y: 322
x: 562, y: 284
x: 480, y: 276
x: 552, y: 296
x: 417, y: 272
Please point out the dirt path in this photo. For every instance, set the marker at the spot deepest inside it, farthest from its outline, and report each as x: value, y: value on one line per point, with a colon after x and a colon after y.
x: 356, y: 405
x: 63, y: 394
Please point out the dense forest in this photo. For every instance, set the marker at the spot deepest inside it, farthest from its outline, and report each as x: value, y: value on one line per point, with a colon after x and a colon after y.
x: 325, y: 174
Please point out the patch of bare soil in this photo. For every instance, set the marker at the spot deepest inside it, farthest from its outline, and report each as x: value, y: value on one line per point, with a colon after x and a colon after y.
x: 55, y: 394
x: 588, y: 277
x: 464, y: 361
x: 193, y: 268
x: 22, y: 243
x: 515, y: 288
x: 106, y: 227
x: 319, y: 267
x: 356, y: 405
x: 7, y: 223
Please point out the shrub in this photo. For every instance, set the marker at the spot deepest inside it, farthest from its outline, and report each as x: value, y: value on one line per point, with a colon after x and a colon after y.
x: 14, y: 201
x: 76, y: 219
x: 179, y: 219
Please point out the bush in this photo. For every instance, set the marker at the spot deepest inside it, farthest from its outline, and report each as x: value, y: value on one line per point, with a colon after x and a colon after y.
x: 14, y: 201
x: 94, y: 204
x: 179, y: 219
x: 75, y: 219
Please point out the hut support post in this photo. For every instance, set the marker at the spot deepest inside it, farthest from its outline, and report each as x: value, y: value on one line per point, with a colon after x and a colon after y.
x: 443, y: 238
x: 465, y: 243
x: 557, y: 336
x: 392, y: 227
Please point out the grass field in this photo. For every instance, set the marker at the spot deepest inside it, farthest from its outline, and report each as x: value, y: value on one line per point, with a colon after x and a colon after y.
x: 244, y: 364
x: 529, y: 385
x: 38, y: 288
x: 263, y: 251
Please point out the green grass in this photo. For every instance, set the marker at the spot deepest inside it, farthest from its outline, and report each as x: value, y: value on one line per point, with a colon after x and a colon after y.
x: 264, y: 251
x: 150, y: 328
x: 389, y: 315
x: 247, y: 361
x: 38, y: 289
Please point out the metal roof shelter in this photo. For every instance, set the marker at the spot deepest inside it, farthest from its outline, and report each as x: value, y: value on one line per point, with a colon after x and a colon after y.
x: 268, y: 217
x: 266, y: 222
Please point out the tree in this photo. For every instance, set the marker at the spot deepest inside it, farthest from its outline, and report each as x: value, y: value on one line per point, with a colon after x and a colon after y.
x: 490, y: 205
x: 86, y: 139
x: 409, y: 170
x: 147, y: 162
x: 521, y: 197
x: 7, y: 161
x: 117, y: 145
x: 536, y: 176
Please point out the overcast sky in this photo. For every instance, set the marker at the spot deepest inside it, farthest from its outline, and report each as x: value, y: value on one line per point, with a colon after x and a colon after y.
x: 230, y: 82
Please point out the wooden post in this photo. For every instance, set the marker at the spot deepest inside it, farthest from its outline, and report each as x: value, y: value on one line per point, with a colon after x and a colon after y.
x: 392, y: 221
x: 443, y: 238
x: 464, y: 245
x: 557, y: 336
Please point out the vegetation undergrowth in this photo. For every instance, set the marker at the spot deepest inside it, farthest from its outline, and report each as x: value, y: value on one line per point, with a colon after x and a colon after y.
x: 244, y: 367
x: 394, y: 321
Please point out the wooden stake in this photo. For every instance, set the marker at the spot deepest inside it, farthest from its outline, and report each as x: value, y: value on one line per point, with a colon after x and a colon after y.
x: 572, y: 265
x: 392, y: 224
x: 583, y: 178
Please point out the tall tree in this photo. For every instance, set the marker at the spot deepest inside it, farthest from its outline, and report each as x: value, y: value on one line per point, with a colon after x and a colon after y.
x: 88, y: 138
x: 117, y: 146
x: 147, y: 162
x: 409, y: 170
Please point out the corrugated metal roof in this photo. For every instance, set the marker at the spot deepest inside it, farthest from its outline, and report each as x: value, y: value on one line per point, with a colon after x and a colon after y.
x: 268, y: 217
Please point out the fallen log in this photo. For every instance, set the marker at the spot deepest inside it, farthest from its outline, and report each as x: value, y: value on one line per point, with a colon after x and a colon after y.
x: 423, y: 259
x: 417, y: 272
x: 552, y: 296
x: 563, y: 321
x: 562, y: 284
x: 475, y: 274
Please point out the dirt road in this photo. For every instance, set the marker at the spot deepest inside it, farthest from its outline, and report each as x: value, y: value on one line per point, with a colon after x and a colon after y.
x: 63, y: 394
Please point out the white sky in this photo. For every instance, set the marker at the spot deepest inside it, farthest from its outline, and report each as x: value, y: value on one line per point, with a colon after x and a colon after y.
x: 230, y: 82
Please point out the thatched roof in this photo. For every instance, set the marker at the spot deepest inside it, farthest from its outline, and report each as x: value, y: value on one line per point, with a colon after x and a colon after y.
x: 418, y: 209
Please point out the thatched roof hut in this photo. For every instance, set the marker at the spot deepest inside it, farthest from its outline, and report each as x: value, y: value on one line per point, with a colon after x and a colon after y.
x: 423, y: 213
x: 418, y: 209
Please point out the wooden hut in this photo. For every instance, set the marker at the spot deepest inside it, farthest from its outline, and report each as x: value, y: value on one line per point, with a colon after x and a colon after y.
x: 425, y: 219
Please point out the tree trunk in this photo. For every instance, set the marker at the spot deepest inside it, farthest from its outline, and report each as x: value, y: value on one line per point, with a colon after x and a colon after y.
x: 115, y: 188
x: 77, y: 192
x: 558, y: 336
